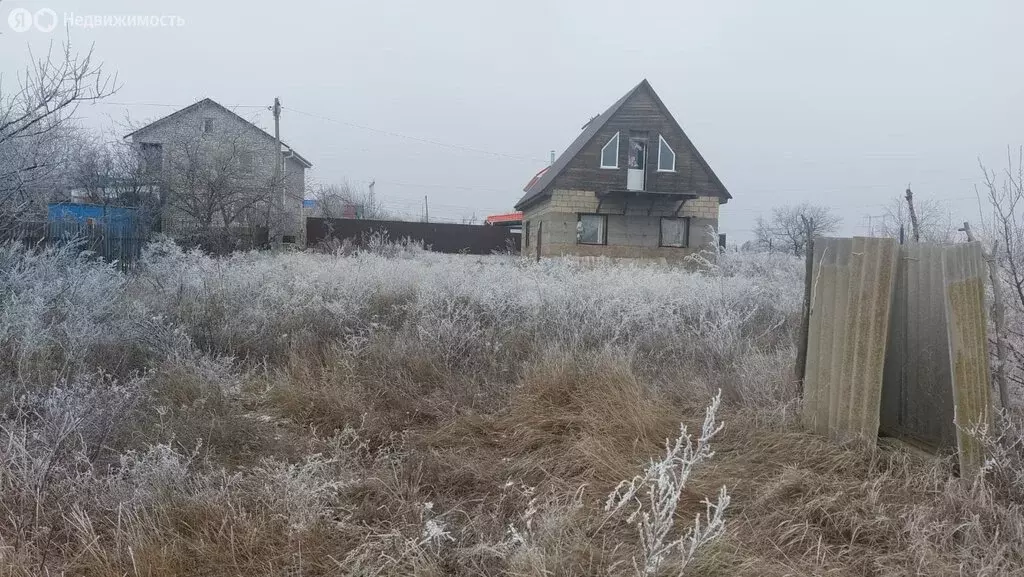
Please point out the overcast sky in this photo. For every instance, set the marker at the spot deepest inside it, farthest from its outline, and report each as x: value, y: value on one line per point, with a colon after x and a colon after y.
x: 789, y: 101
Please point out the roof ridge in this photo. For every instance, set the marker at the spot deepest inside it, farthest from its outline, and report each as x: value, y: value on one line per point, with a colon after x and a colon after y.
x: 209, y: 100
x: 590, y: 129
x: 536, y: 188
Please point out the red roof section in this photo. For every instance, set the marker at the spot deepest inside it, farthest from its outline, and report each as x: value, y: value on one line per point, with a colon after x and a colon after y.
x: 535, y: 178
x: 509, y: 217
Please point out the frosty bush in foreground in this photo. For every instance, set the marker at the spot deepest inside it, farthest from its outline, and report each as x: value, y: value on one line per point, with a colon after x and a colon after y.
x: 662, y: 484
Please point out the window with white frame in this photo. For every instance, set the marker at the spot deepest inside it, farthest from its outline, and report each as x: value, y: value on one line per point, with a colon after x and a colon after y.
x: 610, y: 153
x: 666, y: 156
x: 675, y: 232
x: 592, y: 229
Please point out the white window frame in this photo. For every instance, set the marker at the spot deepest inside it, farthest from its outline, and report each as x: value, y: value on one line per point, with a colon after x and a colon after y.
x: 607, y: 144
x: 661, y: 140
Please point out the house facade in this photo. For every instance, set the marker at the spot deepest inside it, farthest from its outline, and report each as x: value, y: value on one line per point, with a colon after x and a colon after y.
x: 215, y: 169
x: 632, y: 185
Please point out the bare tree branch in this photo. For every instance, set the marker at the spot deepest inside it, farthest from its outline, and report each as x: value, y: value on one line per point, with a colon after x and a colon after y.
x: 787, y: 228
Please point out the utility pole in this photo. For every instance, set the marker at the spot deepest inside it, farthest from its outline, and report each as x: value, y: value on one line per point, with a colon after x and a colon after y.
x: 370, y: 202
x: 914, y: 230
x: 426, y: 209
x: 279, y: 233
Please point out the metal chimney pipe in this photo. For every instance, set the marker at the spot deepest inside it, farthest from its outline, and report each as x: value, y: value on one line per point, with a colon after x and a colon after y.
x: 552, y: 157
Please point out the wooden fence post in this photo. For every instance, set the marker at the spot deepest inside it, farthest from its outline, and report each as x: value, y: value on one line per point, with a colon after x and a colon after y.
x: 805, y: 321
x: 913, y: 216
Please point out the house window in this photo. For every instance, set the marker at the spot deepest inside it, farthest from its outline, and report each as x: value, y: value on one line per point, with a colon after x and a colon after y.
x: 675, y: 232
x: 247, y: 161
x: 207, y: 125
x: 152, y: 157
x: 526, y: 234
x: 637, y: 155
x: 610, y: 153
x: 592, y: 229
x: 666, y: 156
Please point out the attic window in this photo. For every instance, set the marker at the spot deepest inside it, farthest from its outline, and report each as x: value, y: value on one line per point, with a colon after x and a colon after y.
x: 207, y: 125
x: 666, y: 157
x: 610, y: 153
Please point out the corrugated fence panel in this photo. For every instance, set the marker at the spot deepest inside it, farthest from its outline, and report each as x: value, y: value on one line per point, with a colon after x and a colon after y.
x: 964, y: 272
x: 852, y: 289
x: 917, y: 394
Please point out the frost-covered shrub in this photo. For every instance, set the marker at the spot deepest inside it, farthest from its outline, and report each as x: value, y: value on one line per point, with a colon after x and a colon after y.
x: 470, y: 311
x: 654, y: 498
x: 63, y: 317
x: 479, y: 317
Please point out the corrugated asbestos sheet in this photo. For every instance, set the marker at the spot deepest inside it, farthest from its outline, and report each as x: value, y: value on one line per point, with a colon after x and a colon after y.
x: 898, y: 342
x: 917, y: 393
x: 964, y: 271
x: 852, y: 286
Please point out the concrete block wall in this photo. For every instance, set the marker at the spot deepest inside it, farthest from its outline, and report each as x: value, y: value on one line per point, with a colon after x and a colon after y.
x: 633, y: 230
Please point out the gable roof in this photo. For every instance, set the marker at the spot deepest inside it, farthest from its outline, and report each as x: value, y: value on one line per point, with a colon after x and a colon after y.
x: 210, y: 102
x: 537, y: 187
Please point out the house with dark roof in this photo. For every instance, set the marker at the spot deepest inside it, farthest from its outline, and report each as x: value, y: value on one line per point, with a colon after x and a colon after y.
x: 632, y: 185
x: 215, y: 169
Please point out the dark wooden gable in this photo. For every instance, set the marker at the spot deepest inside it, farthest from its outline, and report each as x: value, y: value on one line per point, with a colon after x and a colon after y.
x: 640, y: 110
x: 643, y: 112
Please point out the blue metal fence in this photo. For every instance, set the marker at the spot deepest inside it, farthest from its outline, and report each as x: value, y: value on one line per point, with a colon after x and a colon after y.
x: 114, y: 233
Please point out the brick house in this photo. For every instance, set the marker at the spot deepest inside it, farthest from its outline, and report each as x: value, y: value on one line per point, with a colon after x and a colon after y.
x: 632, y: 185
x: 207, y: 162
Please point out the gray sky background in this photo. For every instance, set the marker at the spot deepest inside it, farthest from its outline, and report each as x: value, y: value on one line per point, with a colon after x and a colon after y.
x: 836, y: 103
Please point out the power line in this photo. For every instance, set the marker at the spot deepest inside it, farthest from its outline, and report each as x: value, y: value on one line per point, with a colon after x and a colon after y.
x: 419, y: 139
x: 175, y: 105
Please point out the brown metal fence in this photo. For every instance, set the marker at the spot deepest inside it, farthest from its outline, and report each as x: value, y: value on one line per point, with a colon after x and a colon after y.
x: 438, y: 237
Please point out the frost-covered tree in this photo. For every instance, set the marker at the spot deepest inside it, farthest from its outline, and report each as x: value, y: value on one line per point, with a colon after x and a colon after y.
x: 337, y: 200
x: 787, y: 230
x: 36, y: 132
x: 934, y: 224
x: 215, y: 184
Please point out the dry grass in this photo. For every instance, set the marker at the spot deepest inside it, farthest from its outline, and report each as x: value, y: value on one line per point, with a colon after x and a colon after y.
x: 384, y: 436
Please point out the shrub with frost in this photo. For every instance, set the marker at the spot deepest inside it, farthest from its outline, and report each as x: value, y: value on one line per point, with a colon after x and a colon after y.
x: 654, y: 497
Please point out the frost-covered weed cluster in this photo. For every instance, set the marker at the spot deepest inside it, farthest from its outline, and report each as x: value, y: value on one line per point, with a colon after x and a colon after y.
x: 480, y: 314
x: 654, y: 497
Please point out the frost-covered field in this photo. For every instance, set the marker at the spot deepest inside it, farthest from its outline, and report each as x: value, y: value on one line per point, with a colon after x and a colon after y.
x: 412, y: 413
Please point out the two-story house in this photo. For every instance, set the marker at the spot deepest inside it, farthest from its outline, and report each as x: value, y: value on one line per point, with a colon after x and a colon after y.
x: 216, y: 170
x: 632, y: 185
